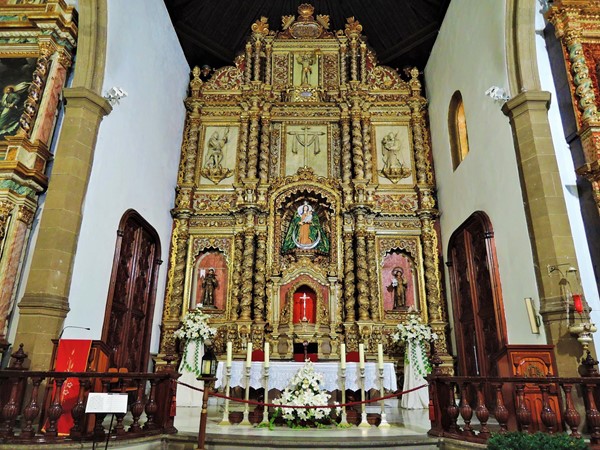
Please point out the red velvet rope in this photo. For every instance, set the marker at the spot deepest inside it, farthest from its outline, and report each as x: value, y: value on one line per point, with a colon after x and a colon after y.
x: 272, y: 405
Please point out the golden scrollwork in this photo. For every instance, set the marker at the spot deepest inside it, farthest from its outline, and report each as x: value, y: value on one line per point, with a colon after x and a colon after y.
x: 261, y: 26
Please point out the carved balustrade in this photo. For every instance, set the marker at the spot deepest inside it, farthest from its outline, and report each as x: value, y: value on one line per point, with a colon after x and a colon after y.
x: 29, y: 413
x: 501, y: 404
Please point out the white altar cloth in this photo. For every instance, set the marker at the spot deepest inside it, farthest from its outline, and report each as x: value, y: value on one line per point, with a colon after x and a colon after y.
x: 280, y: 374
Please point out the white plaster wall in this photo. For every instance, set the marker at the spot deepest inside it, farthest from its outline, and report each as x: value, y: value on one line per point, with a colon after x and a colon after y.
x: 469, y: 55
x: 137, y: 154
x: 568, y: 178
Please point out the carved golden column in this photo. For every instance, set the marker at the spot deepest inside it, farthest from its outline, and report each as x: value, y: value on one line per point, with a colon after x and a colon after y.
x: 238, y: 246
x: 346, y: 154
x: 372, y: 262
x: 366, y: 133
x: 363, y: 62
x: 190, y: 149
x: 265, y: 148
x: 257, y: 49
x: 242, y: 154
x: 253, y: 140
x: 248, y: 68
x: 357, y: 142
x: 421, y: 144
x: 268, y: 56
x: 343, y: 62
x: 362, y: 273
x: 353, y: 59
x: 349, y: 299
x: 260, y: 268
x: 247, y: 269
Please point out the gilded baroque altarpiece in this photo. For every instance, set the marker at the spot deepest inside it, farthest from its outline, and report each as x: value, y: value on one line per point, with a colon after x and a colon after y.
x: 37, y: 43
x: 305, y: 208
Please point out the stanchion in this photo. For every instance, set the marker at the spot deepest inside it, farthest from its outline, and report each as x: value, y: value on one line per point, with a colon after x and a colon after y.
x: 208, y: 384
x: 265, y: 420
x: 363, y: 417
x: 246, y: 418
x: 225, y: 420
x: 384, y: 423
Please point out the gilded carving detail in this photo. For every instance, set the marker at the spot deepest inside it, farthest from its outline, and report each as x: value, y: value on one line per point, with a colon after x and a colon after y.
x: 396, y: 203
x: 259, y: 280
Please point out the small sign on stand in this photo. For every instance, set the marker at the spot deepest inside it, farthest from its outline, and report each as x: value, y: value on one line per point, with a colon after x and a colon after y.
x: 106, y: 403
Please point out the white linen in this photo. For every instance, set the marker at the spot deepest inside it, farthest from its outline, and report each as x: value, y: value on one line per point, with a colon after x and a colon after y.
x: 414, y: 368
x: 281, y: 372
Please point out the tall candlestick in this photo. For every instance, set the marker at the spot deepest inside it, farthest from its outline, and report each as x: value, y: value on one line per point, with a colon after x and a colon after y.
x: 380, y: 356
x: 361, y: 356
x: 249, y: 354
x: 343, y: 356
x: 229, y: 353
x: 267, y: 349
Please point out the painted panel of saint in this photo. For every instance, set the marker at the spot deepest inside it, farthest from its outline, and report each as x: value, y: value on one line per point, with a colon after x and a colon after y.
x: 306, y: 146
x: 15, y: 76
x: 398, y: 282
x: 210, y: 281
x: 394, y: 162
x: 305, y: 231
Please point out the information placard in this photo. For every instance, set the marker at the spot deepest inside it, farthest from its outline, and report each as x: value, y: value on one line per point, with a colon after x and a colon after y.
x: 99, y: 402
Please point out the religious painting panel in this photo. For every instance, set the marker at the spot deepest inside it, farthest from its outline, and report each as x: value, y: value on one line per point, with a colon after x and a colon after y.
x: 394, y: 154
x: 16, y: 75
x: 210, y: 281
x: 219, y: 153
x: 306, y: 145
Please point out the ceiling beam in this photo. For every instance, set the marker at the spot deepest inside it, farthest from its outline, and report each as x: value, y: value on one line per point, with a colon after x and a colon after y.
x: 406, y: 45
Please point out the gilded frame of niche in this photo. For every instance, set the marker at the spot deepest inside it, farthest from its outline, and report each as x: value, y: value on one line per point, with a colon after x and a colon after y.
x: 198, y: 243
x: 377, y: 155
x: 411, y: 245
x: 329, y: 149
x: 286, y: 317
x: 206, y: 128
x: 280, y: 199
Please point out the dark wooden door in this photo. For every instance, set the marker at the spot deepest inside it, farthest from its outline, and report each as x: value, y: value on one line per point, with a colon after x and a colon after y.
x: 130, y: 307
x: 476, y: 297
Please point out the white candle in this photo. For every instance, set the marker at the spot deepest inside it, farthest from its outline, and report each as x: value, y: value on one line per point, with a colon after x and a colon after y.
x: 361, y: 355
x: 267, y: 349
x: 249, y: 355
x: 229, y: 353
x: 343, y: 356
x: 380, y: 356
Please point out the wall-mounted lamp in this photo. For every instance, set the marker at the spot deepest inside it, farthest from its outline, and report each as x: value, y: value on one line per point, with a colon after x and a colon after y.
x: 498, y: 94
x: 114, y: 94
x: 534, y: 318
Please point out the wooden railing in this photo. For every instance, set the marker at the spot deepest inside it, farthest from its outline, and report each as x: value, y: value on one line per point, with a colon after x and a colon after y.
x: 517, y: 404
x: 30, y: 405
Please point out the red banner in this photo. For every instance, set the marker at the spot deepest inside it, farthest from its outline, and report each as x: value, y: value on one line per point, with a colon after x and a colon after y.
x: 71, y: 356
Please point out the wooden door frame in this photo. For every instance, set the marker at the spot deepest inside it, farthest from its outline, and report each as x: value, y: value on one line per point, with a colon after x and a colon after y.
x: 484, y: 222
x: 133, y: 214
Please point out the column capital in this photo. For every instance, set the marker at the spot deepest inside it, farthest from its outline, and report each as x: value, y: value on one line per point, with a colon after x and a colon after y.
x: 81, y: 97
x: 526, y: 101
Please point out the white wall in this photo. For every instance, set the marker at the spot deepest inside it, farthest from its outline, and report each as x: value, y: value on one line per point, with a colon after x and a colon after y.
x: 469, y: 55
x: 137, y: 154
x: 568, y: 178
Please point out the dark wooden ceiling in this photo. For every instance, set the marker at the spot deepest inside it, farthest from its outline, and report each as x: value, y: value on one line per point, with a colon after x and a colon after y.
x: 401, y: 32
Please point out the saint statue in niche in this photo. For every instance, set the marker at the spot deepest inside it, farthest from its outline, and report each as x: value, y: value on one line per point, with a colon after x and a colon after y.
x: 398, y: 287
x: 305, y: 231
x: 209, y: 284
x: 306, y: 60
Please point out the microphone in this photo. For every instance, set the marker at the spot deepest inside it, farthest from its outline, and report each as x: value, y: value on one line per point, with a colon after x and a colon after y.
x: 72, y: 326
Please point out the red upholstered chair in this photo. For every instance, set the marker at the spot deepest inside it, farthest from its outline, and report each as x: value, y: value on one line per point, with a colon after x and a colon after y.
x: 258, y: 355
x: 352, y: 357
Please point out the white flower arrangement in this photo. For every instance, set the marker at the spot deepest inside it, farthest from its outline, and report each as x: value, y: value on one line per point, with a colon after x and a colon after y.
x: 304, y: 390
x: 194, y: 326
x: 414, y: 330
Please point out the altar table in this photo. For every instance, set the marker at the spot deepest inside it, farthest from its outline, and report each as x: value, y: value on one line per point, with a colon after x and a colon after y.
x: 281, y: 372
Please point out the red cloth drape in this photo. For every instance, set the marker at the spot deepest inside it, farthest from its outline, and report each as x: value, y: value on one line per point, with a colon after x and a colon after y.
x: 299, y: 309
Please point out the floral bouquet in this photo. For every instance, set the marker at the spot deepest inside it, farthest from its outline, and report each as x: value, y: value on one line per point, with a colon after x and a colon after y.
x: 194, y: 327
x: 304, y: 389
x: 414, y: 330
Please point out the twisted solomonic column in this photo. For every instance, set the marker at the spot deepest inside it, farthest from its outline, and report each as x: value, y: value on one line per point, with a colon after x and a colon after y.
x: 374, y: 298
x: 349, y: 288
x: 253, y: 141
x: 358, y: 157
x: 260, y: 268
x: 263, y: 163
x: 362, y: 276
x: 238, y: 255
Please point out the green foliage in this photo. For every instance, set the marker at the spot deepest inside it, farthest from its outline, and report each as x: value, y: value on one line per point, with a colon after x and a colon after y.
x: 524, y: 441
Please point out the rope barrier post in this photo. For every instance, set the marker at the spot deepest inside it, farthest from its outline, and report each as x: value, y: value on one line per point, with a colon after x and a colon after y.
x: 225, y: 419
x: 246, y: 418
x: 384, y: 423
x: 344, y: 420
x: 208, y: 384
x: 363, y: 418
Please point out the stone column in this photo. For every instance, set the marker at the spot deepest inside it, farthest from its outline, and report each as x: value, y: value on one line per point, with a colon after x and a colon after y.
x: 546, y: 211
x: 46, y: 295
x: 349, y: 300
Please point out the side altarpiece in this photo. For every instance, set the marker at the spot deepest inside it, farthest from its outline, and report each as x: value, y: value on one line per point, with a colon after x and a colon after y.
x: 305, y: 207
